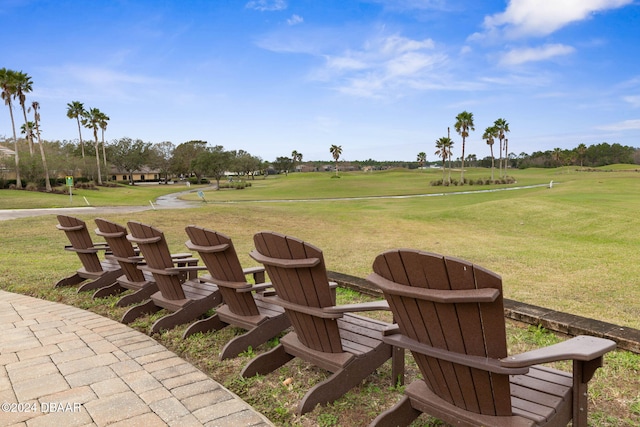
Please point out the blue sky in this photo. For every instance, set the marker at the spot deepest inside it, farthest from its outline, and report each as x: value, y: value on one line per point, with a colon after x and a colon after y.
x: 382, y: 78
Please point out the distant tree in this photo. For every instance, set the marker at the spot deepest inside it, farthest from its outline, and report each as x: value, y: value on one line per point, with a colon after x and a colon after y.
x: 244, y: 163
x: 502, y: 128
x: 102, y: 122
x: 36, y: 117
x: 8, y: 86
x: 161, y: 155
x: 24, y: 85
x: 212, y: 162
x: 295, y: 157
x: 183, y: 156
x: 443, y: 150
x: 422, y: 158
x: 282, y: 164
x: 91, y: 120
x: 129, y: 155
x: 75, y: 110
x: 582, y: 150
x: 336, y: 152
x: 464, y: 124
x: 490, y: 135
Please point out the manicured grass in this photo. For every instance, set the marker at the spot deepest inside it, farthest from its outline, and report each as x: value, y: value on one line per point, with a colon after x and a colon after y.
x: 570, y: 248
x: 120, y: 195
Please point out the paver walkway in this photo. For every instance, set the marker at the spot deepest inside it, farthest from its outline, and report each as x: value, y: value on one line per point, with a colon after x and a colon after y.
x: 64, y: 366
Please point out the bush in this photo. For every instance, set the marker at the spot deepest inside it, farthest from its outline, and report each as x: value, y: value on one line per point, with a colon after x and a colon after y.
x: 32, y: 186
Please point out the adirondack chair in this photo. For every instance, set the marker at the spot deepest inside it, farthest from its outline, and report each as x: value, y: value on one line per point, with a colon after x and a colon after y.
x: 100, y: 274
x: 186, y: 297
x: 243, y: 305
x: 129, y: 258
x: 328, y: 336
x: 450, y: 315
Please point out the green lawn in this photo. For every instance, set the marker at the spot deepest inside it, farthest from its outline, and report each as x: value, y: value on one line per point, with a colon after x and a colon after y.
x: 571, y: 248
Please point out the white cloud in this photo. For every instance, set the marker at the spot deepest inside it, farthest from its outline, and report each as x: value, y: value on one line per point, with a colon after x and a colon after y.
x: 266, y: 5
x: 621, y: 126
x: 532, y: 54
x: 634, y: 100
x: 295, y: 20
x: 541, y: 18
x: 383, y: 64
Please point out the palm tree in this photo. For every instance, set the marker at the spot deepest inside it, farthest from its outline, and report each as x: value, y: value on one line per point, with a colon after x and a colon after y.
x: 557, y: 156
x: 503, y: 128
x: 489, y: 135
x: 582, y: 150
x: 8, y: 86
x: 91, y: 120
x: 295, y: 157
x: 422, y: 158
x: 75, y: 110
x: 103, y: 119
x: 24, y: 85
x: 36, y: 117
x: 444, y: 146
x: 336, y: 151
x: 464, y: 124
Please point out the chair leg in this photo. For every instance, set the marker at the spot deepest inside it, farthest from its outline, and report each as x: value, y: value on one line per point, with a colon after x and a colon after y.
x: 107, y: 279
x: 402, y: 414
x: 344, y: 379
x: 212, y: 323
x: 266, y: 362
x: 108, y: 291
x: 72, y: 280
x: 140, y: 295
x: 139, y: 310
x: 187, y: 313
x: 254, y: 337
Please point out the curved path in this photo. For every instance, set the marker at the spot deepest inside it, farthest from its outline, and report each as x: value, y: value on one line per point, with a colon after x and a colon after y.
x: 61, y: 365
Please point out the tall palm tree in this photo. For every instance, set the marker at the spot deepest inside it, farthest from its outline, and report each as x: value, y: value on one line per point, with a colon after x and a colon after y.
x: 24, y: 85
x: 102, y: 121
x: 8, y: 86
x: 503, y: 128
x: 444, y: 146
x: 75, y: 110
x: 489, y: 135
x: 336, y: 151
x: 464, y: 124
x: 36, y: 117
x: 422, y: 158
x: 91, y: 120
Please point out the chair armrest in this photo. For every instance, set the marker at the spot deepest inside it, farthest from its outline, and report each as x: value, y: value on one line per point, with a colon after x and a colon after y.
x: 479, y: 362
x: 313, y: 311
x: 354, y: 308
x: 187, y: 260
x: 182, y: 255
x: 582, y: 347
x: 261, y: 287
x: 258, y: 273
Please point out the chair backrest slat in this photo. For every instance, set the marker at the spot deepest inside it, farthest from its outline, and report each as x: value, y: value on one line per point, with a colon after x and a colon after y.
x: 222, y: 264
x: 116, y: 237
x: 80, y: 239
x: 155, y: 251
x: 471, y: 328
x: 305, y: 286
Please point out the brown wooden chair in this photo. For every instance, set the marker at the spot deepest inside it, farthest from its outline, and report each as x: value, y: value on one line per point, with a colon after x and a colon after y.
x: 129, y: 258
x: 243, y: 305
x: 100, y: 273
x: 450, y: 315
x: 326, y: 335
x: 184, y: 295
